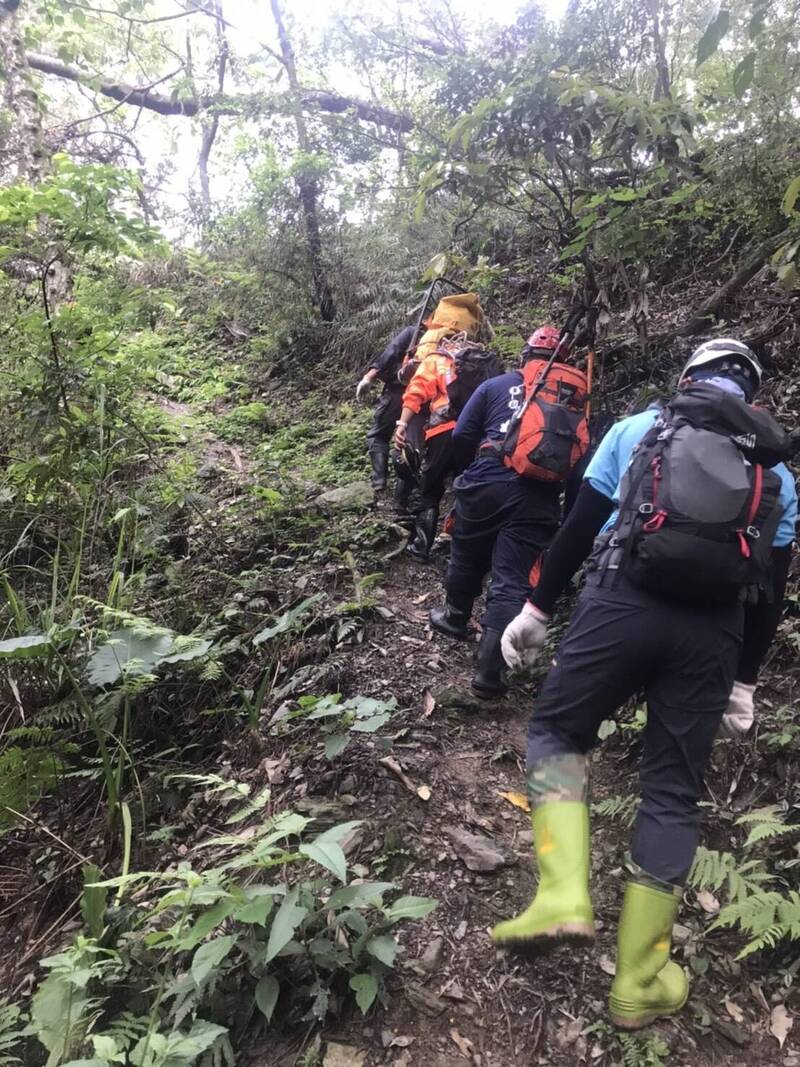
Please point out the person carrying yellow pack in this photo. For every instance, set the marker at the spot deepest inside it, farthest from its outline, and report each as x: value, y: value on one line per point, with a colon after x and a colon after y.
x: 427, y: 391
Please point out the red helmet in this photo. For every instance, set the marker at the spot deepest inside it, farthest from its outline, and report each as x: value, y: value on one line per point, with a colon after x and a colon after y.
x: 544, y: 337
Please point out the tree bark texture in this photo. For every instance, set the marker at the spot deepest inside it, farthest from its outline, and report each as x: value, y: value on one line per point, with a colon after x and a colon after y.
x: 307, y: 186
x: 210, y: 125
x: 25, y: 146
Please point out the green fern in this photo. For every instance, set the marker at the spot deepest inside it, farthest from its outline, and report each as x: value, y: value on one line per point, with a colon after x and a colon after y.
x: 623, y: 808
x: 766, y: 824
x: 10, y: 1031
x: 643, y: 1050
x: 25, y: 775
x: 718, y: 870
x: 767, y: 917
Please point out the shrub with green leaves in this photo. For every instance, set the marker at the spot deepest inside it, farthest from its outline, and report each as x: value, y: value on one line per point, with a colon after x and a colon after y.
x: 202, y: 955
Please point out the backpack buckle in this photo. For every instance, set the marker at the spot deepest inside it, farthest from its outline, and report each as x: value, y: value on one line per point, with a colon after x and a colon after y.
x: 646, y: 509
x: 753, y: 533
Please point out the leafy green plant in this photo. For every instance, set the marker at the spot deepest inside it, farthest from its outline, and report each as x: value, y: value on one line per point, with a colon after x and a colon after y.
x: 764, y: 915
x: 358, y: 715
x: 218, y: 946
x: 623, y: 808
x: 11, y: 1020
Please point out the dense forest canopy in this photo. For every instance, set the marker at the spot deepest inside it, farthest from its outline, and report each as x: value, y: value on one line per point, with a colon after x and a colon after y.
x: 213, y: 214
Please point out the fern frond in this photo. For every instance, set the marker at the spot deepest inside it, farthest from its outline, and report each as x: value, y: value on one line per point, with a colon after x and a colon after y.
x: 623, y: 808
x: 713, y: 870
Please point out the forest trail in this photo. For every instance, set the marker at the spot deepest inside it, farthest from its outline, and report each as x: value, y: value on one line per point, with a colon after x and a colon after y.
x: 455, y: 999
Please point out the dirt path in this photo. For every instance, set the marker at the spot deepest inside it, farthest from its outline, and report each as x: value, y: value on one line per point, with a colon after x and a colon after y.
x: 456, y: 1000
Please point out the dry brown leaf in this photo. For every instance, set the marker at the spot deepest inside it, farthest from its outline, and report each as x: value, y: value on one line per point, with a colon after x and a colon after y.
x: 519, y: 800
x: 734, y: 1010
x: 428, y: 703
x: 424, y: 792
x: 780, y: 1023
x: 343, y: 1056
x: 464, y: 1044
x: 708, y: 902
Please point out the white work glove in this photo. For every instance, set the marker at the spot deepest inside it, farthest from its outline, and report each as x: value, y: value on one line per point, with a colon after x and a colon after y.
x: 739, y: 717
x: 363, y: 387
x: 524, y: 636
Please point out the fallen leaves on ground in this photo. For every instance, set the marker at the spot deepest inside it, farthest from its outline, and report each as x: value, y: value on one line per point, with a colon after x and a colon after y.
x: 519, y: 800
x: 780, y: 1023
x: 343, y: 1056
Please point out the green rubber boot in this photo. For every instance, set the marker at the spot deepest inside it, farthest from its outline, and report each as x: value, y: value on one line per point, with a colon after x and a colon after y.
x: 648, y: 984
x: 561, y: 909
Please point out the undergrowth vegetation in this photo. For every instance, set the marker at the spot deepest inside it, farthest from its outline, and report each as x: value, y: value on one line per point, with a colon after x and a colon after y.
x: 181, y: 606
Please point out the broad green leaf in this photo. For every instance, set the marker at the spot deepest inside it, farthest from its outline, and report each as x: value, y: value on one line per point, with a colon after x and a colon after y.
x: 207, y: 923
x: 366, y: 989
x: 383, y: 948
x: 25, y: 647
x: 369, y: 726
x: 623, y: 196
x: 743, y: 74
x: 410, y: 908
x: 574, y: 249
x: 714, y: 33
x: 335, y: 744
x: 287, y: 918
x: 93, y: 901
x: 209, y: 956
x: 267, y: 992
x: 353, y: 896
x: 126, y: 650
x: 255, y: 911
x: 327, y: 854
x: 790, y: 196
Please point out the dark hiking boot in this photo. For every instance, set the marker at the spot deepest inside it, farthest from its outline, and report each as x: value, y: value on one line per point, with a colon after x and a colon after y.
x: 424, y: 534
x: 489, y: 678
x: 449, y: 620
x: 402, y: 496
x: 380, y: 462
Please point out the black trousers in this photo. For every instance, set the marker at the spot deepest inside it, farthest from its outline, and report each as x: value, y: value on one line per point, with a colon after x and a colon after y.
x: 621, y: 640
x: 384, y: 419
x: 501, y: 528
x: 437, y: 467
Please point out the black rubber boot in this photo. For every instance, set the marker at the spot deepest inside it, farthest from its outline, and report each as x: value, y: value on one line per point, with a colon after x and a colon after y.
x: 424, y: 534
x: 402, y: 496
x: 489, y: 679
x: 380, y: 463
x: 450, y: 620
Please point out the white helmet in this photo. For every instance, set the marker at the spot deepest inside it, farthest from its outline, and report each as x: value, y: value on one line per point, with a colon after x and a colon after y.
x: 717, y: 350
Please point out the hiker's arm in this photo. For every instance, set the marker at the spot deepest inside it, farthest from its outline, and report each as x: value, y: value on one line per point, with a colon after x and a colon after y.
x: 571, y: 546
x: 394, y: 352
x: 468, y: 430
x: 761, y: 619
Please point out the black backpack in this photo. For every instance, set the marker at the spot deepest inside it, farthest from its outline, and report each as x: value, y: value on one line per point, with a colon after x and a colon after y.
x: 473, y: 365
x: 698, y: 506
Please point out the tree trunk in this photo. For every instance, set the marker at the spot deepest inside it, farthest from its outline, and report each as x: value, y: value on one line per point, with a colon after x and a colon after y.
x: 210, y: 125
x: 25, y: 146
x: 307, y: 187
x: 663, y: 87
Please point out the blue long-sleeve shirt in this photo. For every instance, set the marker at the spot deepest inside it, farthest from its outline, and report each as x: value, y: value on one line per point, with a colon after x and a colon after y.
x: 485, y: 418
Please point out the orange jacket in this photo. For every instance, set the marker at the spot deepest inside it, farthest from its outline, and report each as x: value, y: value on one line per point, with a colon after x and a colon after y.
x: 429, y: 386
